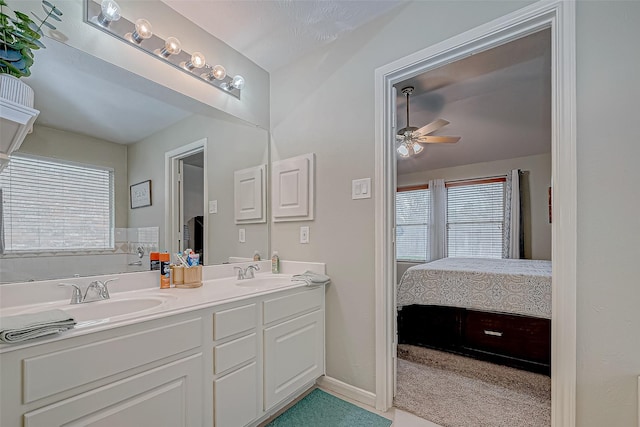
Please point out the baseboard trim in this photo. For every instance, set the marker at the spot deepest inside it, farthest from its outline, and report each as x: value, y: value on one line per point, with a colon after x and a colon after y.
x: 347, y: 390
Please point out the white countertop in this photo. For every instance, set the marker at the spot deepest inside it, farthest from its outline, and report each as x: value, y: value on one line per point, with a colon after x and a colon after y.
x: 166, y: 302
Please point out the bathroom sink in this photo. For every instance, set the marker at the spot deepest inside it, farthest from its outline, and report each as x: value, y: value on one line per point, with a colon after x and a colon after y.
x: 113, y: 307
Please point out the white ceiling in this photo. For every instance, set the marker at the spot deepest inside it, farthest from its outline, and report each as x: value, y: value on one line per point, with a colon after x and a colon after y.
x: 274, y: 33
x: 498, y: 101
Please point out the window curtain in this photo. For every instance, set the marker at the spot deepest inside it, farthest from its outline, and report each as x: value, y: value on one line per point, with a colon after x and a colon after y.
x: 438, y: 219
x: 511, y: 233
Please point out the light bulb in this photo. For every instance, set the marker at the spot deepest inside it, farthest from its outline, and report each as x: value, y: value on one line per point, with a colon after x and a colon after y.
x: 218, y: 72
x: 197, y: 61
x: 142, y: 32
x: 109, y: 12
x: 238, y: 82
x: 417, y: 147
x: 171, y: 47
x: 403, y: 150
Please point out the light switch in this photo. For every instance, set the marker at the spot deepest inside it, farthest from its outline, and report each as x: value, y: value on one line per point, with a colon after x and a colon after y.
x: 304, y: 234
x: 361, y: 188
x: 213, y: 206
x: 241, y: 235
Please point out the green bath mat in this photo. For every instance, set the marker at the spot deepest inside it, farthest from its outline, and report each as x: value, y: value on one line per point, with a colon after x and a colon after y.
x: 320, y: 409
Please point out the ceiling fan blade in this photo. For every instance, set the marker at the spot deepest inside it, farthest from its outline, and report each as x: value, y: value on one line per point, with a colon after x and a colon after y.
x: 432, y: 127
x: 438, y: 139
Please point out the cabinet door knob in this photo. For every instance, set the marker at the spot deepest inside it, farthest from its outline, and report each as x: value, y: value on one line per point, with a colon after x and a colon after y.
x: 493, y: 333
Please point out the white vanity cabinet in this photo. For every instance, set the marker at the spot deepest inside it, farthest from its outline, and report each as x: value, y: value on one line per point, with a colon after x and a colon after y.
x: 237, y: 382
x: 144, y: 374
x: 293, y: 343
x: 229, y: 365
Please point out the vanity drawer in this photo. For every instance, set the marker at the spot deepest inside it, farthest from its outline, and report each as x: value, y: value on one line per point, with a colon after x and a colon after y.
x: 234, y: 353
x: 233, y: 321
x: 280, y: 308
x: 63, y: 370
x: 515, y: 336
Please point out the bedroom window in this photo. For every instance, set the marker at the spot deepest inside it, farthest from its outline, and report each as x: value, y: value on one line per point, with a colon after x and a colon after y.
x: 475, y: 218
x: 412, y: 223
x: 47, y: 204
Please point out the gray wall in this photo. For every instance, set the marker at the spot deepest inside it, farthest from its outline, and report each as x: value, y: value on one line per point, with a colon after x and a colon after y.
x: 324, y: 103
x: 536, y: 181
x: 330, y: 112
x: 231, y: 146
x: 608, y: 222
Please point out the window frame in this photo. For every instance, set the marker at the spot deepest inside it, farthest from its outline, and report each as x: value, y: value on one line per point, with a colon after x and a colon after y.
x: 472, y: 182
x: 12, y: 253
x: 402, y: 190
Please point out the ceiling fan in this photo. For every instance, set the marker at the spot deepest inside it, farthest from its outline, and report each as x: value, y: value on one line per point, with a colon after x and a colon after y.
x: 410, y: 137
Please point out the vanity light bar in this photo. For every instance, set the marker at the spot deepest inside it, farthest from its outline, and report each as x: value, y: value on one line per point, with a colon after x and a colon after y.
x: 139, y: 35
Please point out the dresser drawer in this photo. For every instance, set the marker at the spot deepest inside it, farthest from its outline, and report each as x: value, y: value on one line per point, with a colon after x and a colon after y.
x: 509, y: 335
x: 280, y: 308
x: 234, y: 353
x: 233, y: 321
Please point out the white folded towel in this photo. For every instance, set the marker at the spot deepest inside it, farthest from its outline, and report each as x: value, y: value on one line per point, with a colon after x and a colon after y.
x: 28, y: 326
x: 312, y: 279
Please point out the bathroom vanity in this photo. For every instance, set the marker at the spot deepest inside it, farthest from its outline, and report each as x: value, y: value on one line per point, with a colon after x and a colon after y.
x: 231, y: 353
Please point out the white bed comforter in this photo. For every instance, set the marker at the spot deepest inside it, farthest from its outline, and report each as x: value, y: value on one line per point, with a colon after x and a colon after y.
x: 515, y: 286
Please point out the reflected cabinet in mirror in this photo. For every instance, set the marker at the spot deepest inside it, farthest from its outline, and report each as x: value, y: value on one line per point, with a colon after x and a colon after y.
x: 117, y: 167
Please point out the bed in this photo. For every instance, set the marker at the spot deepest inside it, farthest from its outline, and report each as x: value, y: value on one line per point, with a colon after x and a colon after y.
x: 492, y: 309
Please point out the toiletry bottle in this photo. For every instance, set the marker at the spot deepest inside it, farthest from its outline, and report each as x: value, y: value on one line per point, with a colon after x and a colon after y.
x: 154, y: 260
x: 165, y: 270
x: 256, y: 256
x: 275, y: 263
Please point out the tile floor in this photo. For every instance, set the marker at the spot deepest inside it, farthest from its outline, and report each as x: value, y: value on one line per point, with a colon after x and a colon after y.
x: 399, y: 417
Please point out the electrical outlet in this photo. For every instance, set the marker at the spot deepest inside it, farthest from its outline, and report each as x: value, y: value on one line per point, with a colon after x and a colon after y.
x: 213, y: 206
x: 241, y: 235
x: 304, y: 234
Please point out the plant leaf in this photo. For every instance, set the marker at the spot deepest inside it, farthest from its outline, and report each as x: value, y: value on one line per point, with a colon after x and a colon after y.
x: 2, y: 3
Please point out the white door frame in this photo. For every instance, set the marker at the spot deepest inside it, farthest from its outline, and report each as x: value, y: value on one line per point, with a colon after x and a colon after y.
x: 171, y: 202
x: 559, y: 16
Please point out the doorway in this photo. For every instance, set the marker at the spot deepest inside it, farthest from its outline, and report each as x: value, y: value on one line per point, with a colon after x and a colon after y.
x: 559, y: 17
x: 186, y: 199
x: 475, y: 202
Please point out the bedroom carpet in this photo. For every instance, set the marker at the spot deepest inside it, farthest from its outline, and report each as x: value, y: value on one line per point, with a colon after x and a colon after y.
x: 456, y: 391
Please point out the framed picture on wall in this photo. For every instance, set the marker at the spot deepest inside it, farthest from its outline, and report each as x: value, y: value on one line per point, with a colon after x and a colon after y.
x: 140, y: 194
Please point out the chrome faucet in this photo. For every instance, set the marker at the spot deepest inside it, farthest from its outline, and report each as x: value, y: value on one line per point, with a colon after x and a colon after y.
x: 97, y: 287
x: 247, y: 273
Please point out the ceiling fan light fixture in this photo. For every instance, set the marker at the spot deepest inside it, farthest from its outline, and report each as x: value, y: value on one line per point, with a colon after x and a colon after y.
x: 403, y: 150
x: 416, y: 147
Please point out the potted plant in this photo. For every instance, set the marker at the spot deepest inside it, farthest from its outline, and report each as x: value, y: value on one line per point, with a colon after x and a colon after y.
x: 20, y: 36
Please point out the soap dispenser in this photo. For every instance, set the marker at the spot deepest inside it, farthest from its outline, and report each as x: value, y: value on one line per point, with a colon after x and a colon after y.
x: 275, y: 263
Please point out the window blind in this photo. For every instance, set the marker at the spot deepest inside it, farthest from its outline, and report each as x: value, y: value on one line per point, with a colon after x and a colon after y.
x: 475, y: 215
x: 49, y: 205
x: 412, y: 225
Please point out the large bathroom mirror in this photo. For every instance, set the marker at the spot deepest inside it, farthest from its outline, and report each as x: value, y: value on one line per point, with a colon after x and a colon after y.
x: 168, y: 163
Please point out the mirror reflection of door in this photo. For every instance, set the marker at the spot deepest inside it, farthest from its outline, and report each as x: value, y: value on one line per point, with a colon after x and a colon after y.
x: 191, y: 205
